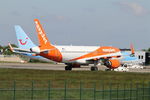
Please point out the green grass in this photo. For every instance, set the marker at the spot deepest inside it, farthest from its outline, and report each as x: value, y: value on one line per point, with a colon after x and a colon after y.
x: 72, y: 77
x: 86, y: 76
x: 38, y: 80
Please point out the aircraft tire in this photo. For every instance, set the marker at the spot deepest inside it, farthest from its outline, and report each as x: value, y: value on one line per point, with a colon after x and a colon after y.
x: 68, y: 68
x: 94, y: 68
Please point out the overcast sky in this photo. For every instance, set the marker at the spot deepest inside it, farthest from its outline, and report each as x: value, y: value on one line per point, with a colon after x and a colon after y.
x: 79, y: 22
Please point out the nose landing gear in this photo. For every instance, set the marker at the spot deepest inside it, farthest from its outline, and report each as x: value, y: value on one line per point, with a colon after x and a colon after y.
x: 95, y: 68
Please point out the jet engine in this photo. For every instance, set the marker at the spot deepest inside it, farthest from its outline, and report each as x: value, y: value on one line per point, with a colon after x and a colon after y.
x: 112, y: 63
x: 35, y: 50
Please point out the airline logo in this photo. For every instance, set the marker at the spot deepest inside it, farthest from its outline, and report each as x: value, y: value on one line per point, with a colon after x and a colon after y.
x: 108, y: 50
x: 41, y: 32
x: 23, y: 43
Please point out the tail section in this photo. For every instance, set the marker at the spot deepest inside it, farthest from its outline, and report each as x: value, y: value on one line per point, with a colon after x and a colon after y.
x: 44, y: 43
x: 46, y: 49
x: 24, y: 41
x: 132, y: 49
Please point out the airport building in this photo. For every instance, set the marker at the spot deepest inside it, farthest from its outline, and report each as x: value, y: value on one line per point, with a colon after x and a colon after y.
x: 141, y: 55
x: 147, y: 58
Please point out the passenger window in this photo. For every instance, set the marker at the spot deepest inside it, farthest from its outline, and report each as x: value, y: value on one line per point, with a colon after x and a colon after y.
x: 139, y: 57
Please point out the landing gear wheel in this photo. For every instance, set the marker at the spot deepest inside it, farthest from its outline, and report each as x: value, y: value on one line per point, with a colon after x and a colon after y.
x: 94, y: 68
x: 68, y: 68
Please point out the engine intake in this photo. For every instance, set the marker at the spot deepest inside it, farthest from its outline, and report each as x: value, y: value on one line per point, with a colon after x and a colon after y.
x: 112, y: 63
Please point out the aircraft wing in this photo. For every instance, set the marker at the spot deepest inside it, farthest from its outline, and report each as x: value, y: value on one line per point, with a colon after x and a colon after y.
x: 104, y: 56
x: 19, y: 50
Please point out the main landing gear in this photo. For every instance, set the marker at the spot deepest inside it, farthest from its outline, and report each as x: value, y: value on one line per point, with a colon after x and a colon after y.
x: 68, y: 67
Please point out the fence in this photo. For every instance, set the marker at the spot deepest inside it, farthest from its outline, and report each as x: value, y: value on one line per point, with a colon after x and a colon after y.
x: 35, y: 90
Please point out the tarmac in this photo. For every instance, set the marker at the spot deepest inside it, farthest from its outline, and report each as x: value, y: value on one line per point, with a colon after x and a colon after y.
x: 47, y: 66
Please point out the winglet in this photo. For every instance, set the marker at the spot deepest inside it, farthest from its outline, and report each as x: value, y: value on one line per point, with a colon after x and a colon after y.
x: 43, y: 40
x: 11, y: 48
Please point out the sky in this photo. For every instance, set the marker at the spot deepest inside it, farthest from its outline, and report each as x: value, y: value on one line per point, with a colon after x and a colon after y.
x: 79, y: 22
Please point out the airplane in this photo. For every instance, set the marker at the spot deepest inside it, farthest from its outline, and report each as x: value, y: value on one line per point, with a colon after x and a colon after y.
x: 127, y: 57
x: 25, y: 43
x: 75, y: 56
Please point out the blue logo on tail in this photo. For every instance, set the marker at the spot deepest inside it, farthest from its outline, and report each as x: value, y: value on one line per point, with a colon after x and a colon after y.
x: 24, y: 41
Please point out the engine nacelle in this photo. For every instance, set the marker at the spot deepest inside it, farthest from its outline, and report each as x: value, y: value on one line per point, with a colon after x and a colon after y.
x: 35, y: 50
x: 112, y: 63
